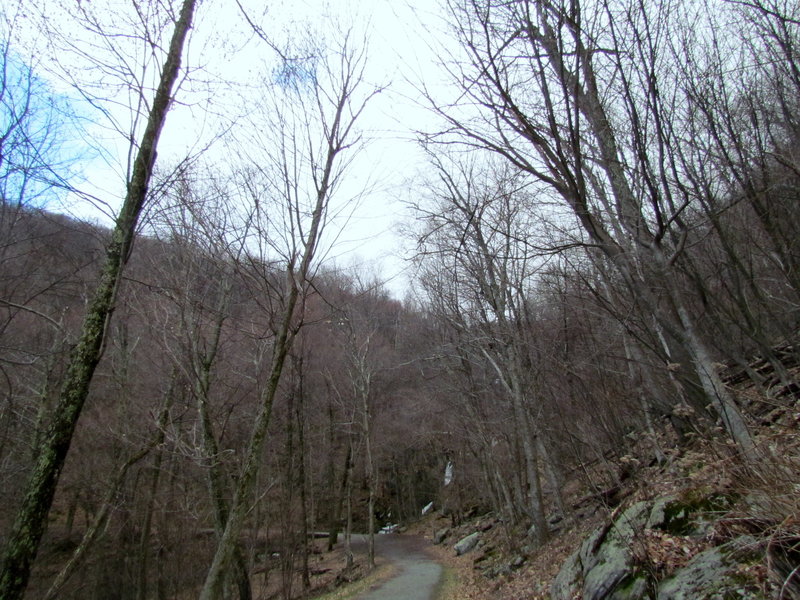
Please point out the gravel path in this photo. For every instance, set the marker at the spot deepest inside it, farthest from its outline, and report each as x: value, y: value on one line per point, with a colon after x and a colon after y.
x: 419, y: 573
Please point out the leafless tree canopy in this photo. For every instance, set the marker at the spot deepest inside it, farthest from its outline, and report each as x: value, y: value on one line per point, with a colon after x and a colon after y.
x: 605, y: 243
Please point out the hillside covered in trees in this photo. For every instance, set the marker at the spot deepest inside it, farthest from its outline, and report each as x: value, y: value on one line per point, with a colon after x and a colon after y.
x: 606, y: 280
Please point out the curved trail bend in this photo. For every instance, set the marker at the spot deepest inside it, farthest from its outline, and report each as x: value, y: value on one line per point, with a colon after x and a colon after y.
x: 419, y: 573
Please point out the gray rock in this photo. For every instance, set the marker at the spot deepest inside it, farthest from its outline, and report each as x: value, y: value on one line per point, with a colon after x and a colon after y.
x: 614, y: 565
x: 604, y: 562
x: 658, y: 515
x: 517, y: 562
x: 568, y: 581
x: 439, y: 536
x: 603, y: 568
x: 631, y: 522
x: 694, y: 581
x: 711, y: 575
x: 586, y: 553
x: 607, y: 558
x: 466, y: 544
x: 634, y: 588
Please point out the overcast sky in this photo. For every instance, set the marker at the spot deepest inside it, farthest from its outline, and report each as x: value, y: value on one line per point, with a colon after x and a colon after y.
x: 399, y: 36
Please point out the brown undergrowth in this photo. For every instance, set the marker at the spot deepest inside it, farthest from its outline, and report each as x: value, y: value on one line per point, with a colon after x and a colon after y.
x: 329, y: 578
x: 760, y: 500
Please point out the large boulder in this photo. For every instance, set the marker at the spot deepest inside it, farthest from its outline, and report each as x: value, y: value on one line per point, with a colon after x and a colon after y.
x: 604, y: 562
x: 711, y: 575
x: 605, y: 568
x: 467, y: 544
x: 568, y: 580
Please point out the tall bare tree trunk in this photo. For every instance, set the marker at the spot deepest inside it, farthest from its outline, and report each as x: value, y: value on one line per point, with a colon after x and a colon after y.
x: 301, y: 478
x: 144, y: 540
x: 31, y: 520
x: 217, y: 477
x: 371, y: 487
x: 529, y: 439
x: 97, y: 526
x: 341, y: 493
x: 715, y: 389
x: 348, y: 531
x: 147, y: 524
x: 634, y: 359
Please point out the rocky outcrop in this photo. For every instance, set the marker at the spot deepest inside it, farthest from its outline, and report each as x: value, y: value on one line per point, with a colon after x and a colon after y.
x: 604, y: 563
x: 612, y: 563
x: 711, y: 574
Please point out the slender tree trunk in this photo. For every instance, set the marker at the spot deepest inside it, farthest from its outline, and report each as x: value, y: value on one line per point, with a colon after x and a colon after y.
x: 715, y: 389
x: 144, y: 540
x: 370, y: 481
x: 301, y: 477
x: 348, y: 532
x: 746, y: 319
x: 633, y: 357
x: 334, y: 495
x: 167, y: 543
x: 535, y: 497
x: 288, y: 532
x: 529, y: 440
x: 31, y: 520
x: 338, y: 131
x: 681, y: 327
x: 341, y: 493
x: 217, y: 477
x: 337, y: 140
x: 554, y: 477
x: 97, y: 525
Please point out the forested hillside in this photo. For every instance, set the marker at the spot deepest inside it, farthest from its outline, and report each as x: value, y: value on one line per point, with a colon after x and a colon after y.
x: 606, y: 280
x: 173, y: 400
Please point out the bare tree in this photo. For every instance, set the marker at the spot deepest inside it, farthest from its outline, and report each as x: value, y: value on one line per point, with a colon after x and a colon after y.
x: 479, y: 225
x: 201, y: 274
x: 736, y: 156
x: 315, y: 129
x: 24, y: 539
x: 360, y: 328
x: 576, y: 101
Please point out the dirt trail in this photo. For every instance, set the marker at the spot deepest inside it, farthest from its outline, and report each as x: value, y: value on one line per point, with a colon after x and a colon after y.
x: 419, y: 573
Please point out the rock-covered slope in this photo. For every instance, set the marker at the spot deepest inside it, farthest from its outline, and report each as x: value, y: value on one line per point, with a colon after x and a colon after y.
x: 700, y: 526
x: 620, y: 560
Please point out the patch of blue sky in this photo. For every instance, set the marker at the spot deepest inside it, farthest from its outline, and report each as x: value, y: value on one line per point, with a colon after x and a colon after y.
x: 42, y: 138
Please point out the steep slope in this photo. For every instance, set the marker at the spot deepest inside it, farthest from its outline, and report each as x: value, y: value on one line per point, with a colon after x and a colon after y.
x: 700, y: 525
